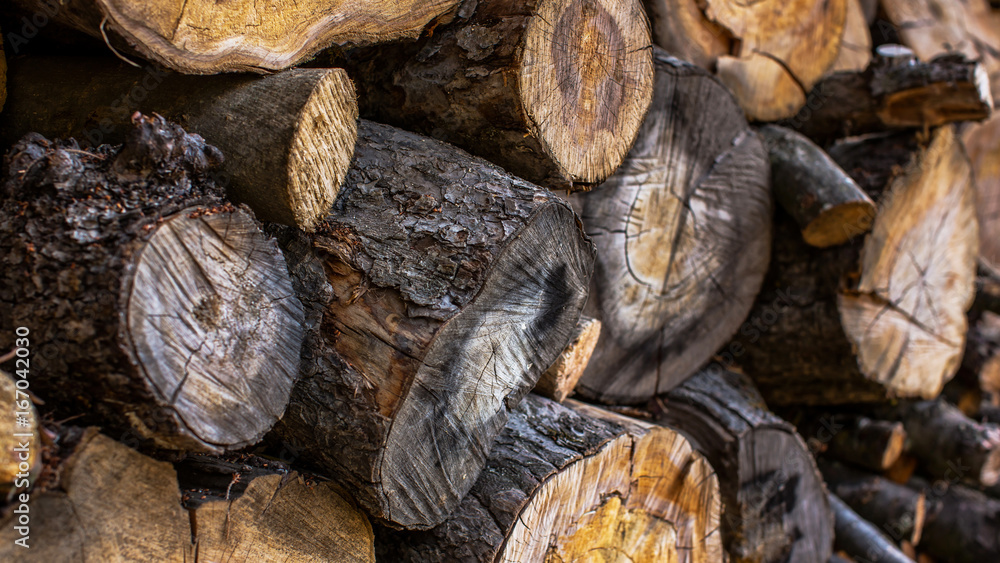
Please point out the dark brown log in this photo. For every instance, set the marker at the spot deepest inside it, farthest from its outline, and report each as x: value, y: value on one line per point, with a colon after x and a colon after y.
x: 20, y: 443
x: 774, y: 502
x: 895, y: 91
x: 896, y: 510
x: 885, y: 318
x: 826, y: 203
x: 949, y: 444
x: 982, y: 352
x: 445, y: 286
x: 559, y: 381
x: 573, y: 483
x: 683, y: 230
x: 872, y: 444
x: 288, y: 138
x: 152, y: 304
x: 860, y: 539
x: 964, y: 395
x: 207, y: 37
x: 552, y: 91
x: 962, y: 526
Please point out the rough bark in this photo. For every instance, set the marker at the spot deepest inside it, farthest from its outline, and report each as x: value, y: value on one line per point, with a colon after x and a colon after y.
x: 204, y: 37
x: 962, y: 526
x: 982, y: 143
x: 896, y: 510
x: 949, y: 444
x: 20, y: 440
x: 559, y: 381
x: 449, y: 287
x: 872, y: 444
x: 152, y: 304
x: 774, y: 502
x: 288, y: 138
x: 895, y: 91
x: 552, y: 91
x: 683, y: 230
x: 884, y: 318
x: 860, y: 539
x: 568, y: 483
x: 826, y: 203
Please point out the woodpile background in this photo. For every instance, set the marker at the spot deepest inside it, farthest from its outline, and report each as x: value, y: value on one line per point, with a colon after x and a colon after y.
x: 315, y: 280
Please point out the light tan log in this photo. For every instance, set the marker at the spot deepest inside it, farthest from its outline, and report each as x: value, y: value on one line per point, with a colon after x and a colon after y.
x: 856, y: 43
x: 982, y: 143
x: 287, y: 138
x: 206, y: 37
x: 20, y: 438
x: 896, y: 327
x: 682, y: 230
x: 560, y: 379
x: 552, y: 90
x: 575, y: 483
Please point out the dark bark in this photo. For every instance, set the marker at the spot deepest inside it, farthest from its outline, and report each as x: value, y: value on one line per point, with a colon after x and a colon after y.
x: 860, y: 539
x: 857, y: 439
x: 445, y: 287
x: 962, y: 526
x: 151, y: 303
x: 896, y: 510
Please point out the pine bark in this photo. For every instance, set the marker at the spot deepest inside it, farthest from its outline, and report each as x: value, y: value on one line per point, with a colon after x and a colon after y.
x: 442, y: 287
x: 682, y: 231
x: 884, y: 318
x: 153, y: 305
x: 288, y: 138
x: 571, y: 482
x: 554, y: 92
x: 206, y: 37
x: 774, y: 501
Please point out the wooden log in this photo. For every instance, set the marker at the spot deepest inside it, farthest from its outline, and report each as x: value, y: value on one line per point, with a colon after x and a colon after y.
x: 20, y: 440
x: 681, y: 28
x: 207, y: 38
x: 171, y: 313
x: 683, y: 229
x: 856, y: 43
x: 559, y: 381
x: 552, y: 91
x: 895, y: 91
x: 982, y: 353
x: 571, y: 482
x: 982, y: 143
x: 860, y: 539
x: 288, y: 138
x: 872, y: 444
x: 826, y: 203
x: 885, y: 318
x: 949, y: 444
x: 961, y: 525
x: 773, y: 499
x: 896, y: 510
x: 449, y: 287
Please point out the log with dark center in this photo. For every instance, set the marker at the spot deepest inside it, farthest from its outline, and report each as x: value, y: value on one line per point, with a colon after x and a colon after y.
x: 884, y: 318
x: 575, y: 483
x: 683, y: 230
x: 152, y: 303
x: 206, y: 37
x: 554, y: 91
x: 446, y: 287
x: 288, y: 138
x: 774, y: 502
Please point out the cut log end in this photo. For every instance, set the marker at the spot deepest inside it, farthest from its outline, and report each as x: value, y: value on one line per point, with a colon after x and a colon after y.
x: 215, y: 326
x: 838, y: 224
x: 560, y: 379
x: 585, y: 81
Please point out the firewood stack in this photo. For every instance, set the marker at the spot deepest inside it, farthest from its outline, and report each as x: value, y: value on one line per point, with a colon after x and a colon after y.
x: 314, y: 280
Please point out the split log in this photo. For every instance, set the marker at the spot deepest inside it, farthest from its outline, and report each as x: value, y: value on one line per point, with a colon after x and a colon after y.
x: 552, y: 91
x: 826, y: 203
x: 897, y: 326
x: 856, y: 43
x: 20, y: 443
x: 288, y: 138
x: 895, y: 91
x: 207, y: 37
x: 571, y: 482
x: 949, y: 444
x: 449, y: 286
x: 773, y: 499
x: 982, y: 143
x: 962, y: 526
x: 681, y: 28
x: 896, y: 510
x: 872, y: 444
x: 152, y: 304
x: 860, y: 539
x: 559, y: 381
x: 683, y: 230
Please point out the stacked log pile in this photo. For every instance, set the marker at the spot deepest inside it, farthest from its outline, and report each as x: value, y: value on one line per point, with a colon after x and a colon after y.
x: 316, y: 280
